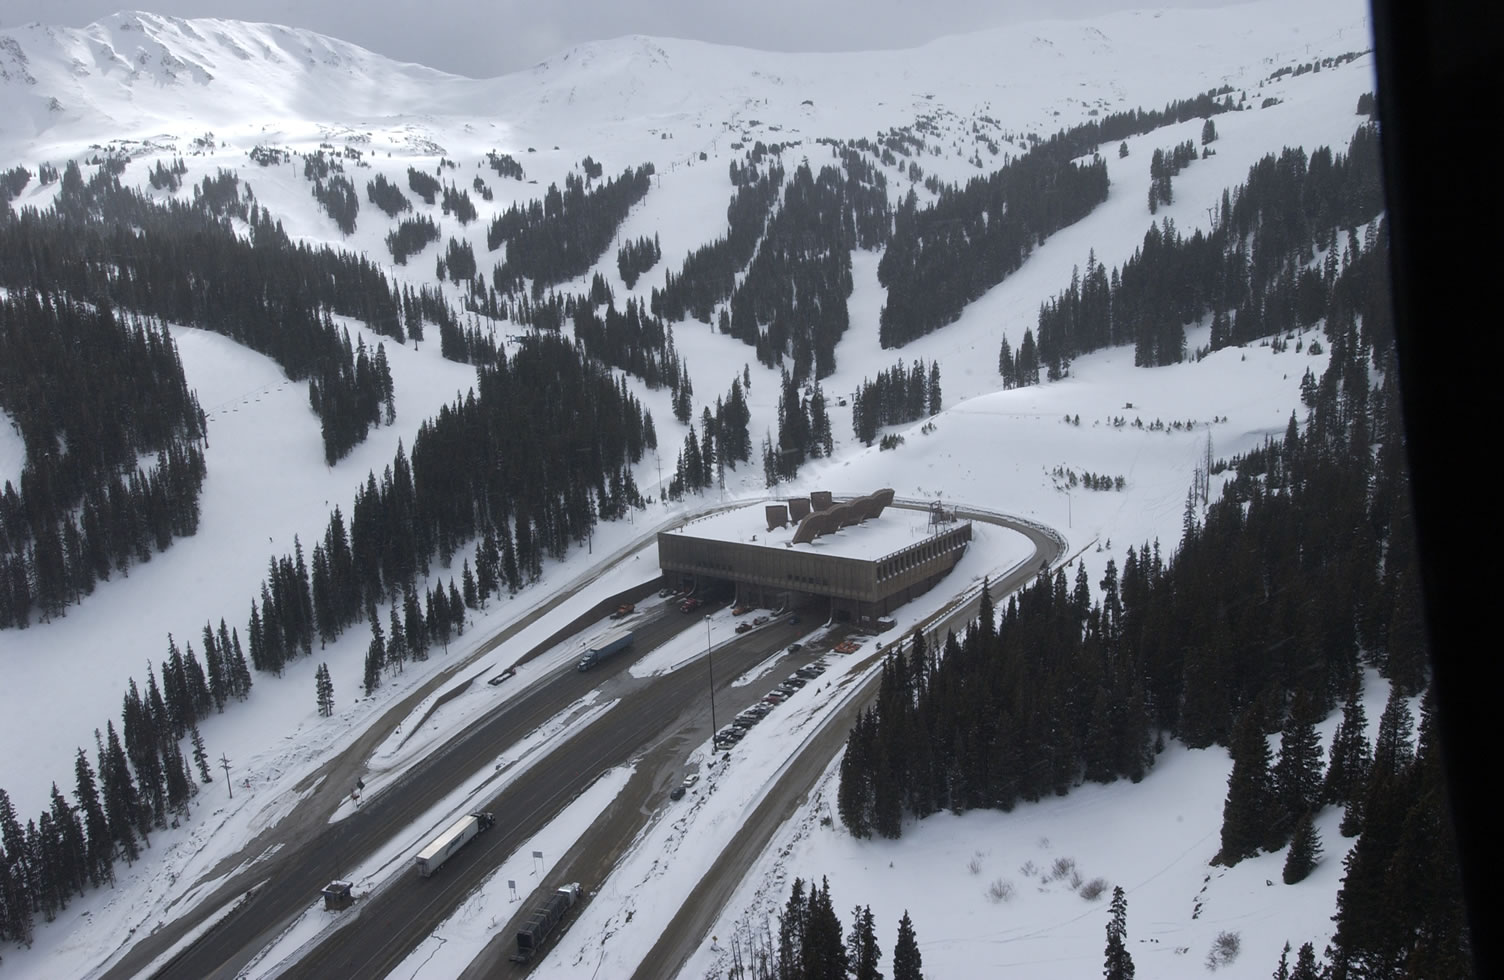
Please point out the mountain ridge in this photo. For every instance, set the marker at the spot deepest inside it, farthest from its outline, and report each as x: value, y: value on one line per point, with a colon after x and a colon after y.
x: 134, y: 75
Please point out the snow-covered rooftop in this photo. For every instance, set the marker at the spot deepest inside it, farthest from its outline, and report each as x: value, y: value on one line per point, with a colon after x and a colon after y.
x: 870, y: 540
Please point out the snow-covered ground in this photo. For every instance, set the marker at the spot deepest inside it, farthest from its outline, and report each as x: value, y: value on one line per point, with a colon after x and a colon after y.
x: 1007, y: 894
x: 626, y: 102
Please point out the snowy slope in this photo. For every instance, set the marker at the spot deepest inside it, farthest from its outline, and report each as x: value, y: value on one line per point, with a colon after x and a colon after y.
x: 154, y: 87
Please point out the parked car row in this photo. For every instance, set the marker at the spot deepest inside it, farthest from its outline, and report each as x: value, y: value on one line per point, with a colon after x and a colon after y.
x: 733, y: 733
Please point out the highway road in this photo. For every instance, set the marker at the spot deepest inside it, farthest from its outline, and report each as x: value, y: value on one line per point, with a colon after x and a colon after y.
x: 294, y: 876
x: 397, y: 918
x: 666, y: 710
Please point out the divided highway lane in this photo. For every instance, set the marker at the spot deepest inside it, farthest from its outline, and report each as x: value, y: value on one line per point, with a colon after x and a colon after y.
x: 390, y: 924
x: 294, y: 876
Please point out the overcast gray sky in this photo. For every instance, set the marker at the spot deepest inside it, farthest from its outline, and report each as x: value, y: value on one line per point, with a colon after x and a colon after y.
x: 483, y: 39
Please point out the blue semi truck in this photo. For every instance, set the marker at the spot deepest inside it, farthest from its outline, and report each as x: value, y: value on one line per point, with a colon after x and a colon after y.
x: 606, y: 645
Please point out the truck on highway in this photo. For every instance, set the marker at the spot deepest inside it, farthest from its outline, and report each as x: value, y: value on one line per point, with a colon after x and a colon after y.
x: 606, y: 645
x: 442, y: 847
x: 542, y: 920
x: 624, y: 610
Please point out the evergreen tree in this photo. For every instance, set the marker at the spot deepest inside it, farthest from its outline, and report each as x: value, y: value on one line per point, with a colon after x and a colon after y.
x: 414, y: 625
x: 238, y: 668
x: 375, y: 656
x: 1347, y: 772
x: 456, y: 610
x: 907, y: 963
x: 1282, y: 971
x: 200, y: 755
x: 863, y: 952
x: 1394, y: 746
x: 791, y: 930
x: 100, y: 857
x: 1305, y: 848
x: 17, y: 895
x: 1306, y: 966
x: 1118, y: 962
x: 68, y: 849
x: 468, y: 577
x: 396, y: 641
x: 324, y: 686
x: 122, y: 803
x: 1005, y: 364
x: 1245, y: 814
x: 1297, y: 774
x: 823, y: 946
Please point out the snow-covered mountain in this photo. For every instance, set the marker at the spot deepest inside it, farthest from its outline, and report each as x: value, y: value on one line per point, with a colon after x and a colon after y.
x: 163, y: 80
x: 154, y: 88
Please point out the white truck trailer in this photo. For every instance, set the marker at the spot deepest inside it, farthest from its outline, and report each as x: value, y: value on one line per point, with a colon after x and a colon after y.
x: 442, y: 847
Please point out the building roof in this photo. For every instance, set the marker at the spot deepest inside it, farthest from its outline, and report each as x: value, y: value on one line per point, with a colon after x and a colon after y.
x: 870, y: 540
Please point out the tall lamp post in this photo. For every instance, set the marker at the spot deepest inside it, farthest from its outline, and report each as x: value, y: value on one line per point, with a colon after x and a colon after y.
x: 710, y: 663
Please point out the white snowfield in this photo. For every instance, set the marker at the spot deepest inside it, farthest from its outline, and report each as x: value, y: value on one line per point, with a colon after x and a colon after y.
x: 210, y: 91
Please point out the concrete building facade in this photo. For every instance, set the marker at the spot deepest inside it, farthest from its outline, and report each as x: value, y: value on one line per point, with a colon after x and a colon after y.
x: 865, y: 568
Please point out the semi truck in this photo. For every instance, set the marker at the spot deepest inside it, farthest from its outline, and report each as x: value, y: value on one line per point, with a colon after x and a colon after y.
x: 542, y: 920
x: 442, y: 847
x: 606, y: 645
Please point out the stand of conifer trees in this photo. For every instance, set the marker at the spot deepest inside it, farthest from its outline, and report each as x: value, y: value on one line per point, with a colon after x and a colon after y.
x: 1252, y: 271
x: 1304, y: 571
x: 708, y: 275
x: 261, y: 291
x: 562, y: 236
x: 91, y: 394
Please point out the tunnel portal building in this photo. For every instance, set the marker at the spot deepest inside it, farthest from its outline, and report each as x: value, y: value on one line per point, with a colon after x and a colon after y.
x: 864, y: 556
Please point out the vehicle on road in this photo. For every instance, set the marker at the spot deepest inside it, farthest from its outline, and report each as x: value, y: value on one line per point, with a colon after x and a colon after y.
x: 608, y: 644
x: 542, y: 920
x: 690, y: 604
x: 690, y: 780
x: 624, y: 610
x: 759, y: 620
x: 677, y: 794
x: 741, y: 610
x: 502, y: 677
x: 795, y: 647
x: 442, y: 847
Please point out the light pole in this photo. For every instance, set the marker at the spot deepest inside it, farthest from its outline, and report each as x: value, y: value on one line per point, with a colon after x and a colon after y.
x: 710, y: 663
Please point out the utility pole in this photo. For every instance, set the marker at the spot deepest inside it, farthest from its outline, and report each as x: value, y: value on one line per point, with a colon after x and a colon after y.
x: 710, y: 662
x: 226, y: 764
